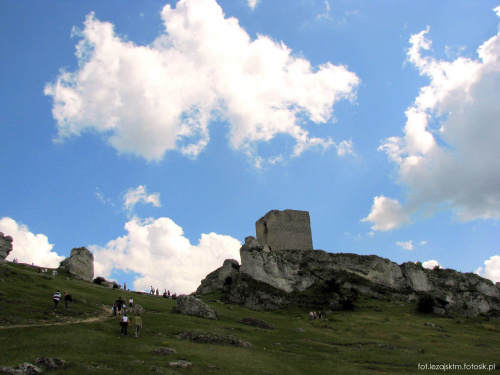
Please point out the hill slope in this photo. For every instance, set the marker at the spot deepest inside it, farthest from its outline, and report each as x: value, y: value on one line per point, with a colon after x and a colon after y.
x: 375, y: 337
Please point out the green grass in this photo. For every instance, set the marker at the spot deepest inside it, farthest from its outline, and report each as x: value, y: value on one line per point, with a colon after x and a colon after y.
x: 377, y: 337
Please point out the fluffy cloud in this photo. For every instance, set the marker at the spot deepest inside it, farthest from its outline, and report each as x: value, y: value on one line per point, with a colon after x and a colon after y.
x: 28, y: 247
x: 387, y: 214
x: 406, y: 245
x: 158, y: 251
x: 491, y: 268
x: 448, y: 156
x: 139, y: 194
x: 431, y: 264
x: 205, y: 68
x: 252, y: 3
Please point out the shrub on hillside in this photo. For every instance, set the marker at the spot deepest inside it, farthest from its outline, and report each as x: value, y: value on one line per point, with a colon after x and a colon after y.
x: 99, y: 280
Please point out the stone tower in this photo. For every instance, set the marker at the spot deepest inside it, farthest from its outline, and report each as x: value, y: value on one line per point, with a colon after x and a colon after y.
x: 285, y: 230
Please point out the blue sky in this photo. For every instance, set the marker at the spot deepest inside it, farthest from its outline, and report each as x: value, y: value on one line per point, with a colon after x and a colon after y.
x: 157, y: 133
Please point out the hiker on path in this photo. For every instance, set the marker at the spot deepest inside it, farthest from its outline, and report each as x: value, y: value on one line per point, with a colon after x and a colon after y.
x: 138, y: 325
x: 124, y: 324
x: 57, y: 295
x: 67, y: 299
x: 131, y: 302
x: 118, y: 305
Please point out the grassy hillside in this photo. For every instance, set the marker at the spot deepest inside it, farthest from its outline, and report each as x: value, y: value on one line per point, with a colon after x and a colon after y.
x: 376, y: 337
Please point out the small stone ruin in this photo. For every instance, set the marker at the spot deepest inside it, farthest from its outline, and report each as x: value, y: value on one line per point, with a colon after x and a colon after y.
x: 285, y: 230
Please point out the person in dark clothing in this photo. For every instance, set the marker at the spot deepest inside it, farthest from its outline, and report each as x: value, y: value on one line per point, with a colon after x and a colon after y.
x: 67, y: 299
x: 118, y: 305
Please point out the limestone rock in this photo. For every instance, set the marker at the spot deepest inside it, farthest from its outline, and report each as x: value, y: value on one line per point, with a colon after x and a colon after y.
x: 214, y: 338
x: 257, y: 323
x: 189, y: 305
x: 137, y: 309
x: 285, y: 230
x: 164, y: 351
x: 5, y: 245
x: 23, y: 369
x: 280, y: 265
x: 80, y: 263
x: 47, y: 363
x: 220, y: 277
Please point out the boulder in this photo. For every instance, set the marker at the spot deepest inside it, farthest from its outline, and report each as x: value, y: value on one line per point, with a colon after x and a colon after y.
x: 189, y: 305
x: 137, y: 309
x: 257, y: 323
x: 80, y: 264
x: 23, y: 369
x: 5, y: 246
x: 47, y: 363
x: 164, y: 351
x: 219, y: 278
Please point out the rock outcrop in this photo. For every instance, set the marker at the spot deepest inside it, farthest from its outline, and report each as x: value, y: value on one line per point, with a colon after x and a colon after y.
x: 80, y: 264
x: 190, y: 305
x: 268, y: 279
x: 5, y: 246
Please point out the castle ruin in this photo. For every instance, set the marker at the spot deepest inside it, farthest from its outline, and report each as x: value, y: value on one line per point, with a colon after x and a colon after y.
x: 285, y: 230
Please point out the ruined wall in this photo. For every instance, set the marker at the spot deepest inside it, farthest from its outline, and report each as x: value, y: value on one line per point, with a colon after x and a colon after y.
x: 285, y: 230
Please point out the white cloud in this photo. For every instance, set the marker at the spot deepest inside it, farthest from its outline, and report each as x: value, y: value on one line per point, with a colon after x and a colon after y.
x: 431, y: 264
x: 387, y: 214
x: 158, y: 251
x: 148, y: 100
x: 422, y: 243
x: 406, y: 245
x: 139, y: 194
x: 28, y: 247
x: 491, y: 268
x: 252, y: 3
x: 448, y: 156
x: 326, y: 13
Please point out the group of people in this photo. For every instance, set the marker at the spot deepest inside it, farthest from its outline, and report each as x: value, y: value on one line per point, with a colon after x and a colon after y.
x: 120, y: 304
x: 57, y: 297
x: 314, y: 316
x: 136, y: 322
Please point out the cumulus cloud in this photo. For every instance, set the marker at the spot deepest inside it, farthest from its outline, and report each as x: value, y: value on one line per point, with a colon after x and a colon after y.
x: 252, y: 3
x: 406, y: 245
x: 491, y: 268
x: 431, y: 264
x: 147, y: 100
x: 387, y: 214
x: 448, y: 156
x: 139, y: 194
x: 158, y: 251
x: 28, y: 247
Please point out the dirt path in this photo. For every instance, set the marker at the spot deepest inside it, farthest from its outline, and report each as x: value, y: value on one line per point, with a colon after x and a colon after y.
x: 104, y: 315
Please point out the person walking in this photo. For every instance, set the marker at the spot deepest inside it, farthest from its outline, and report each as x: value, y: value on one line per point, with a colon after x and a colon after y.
x: 67, y: 300
x: 57, y: 296
x: 131, y: 302
x: 138, y: 325
x: 124, y: 324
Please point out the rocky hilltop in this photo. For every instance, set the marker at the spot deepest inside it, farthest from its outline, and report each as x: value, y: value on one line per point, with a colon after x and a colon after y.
x: 271, y: 277
x: 5, y: 246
